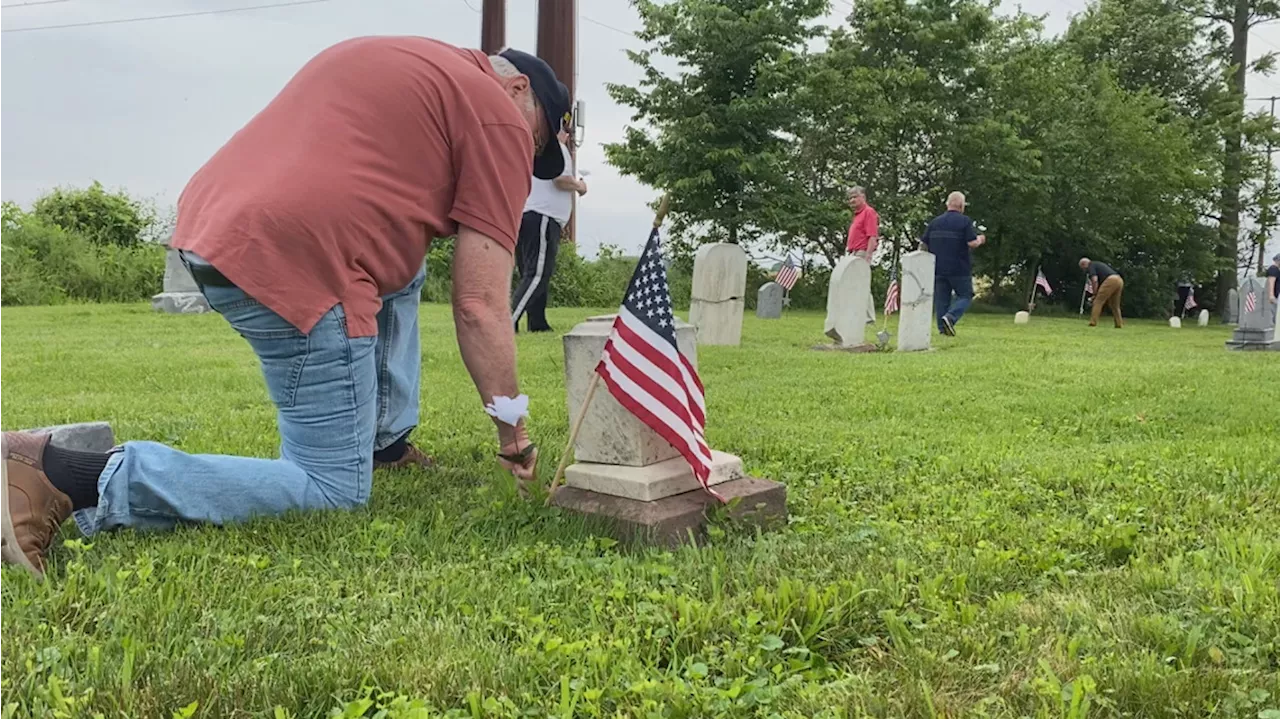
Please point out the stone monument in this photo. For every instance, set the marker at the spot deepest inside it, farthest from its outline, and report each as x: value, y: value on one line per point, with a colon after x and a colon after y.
x: 181, y: 294
x: 769, y: 301
x: 719, y: 293
x: 1232, y: 315
x: 915, y: 323
x: 1175, y: 322
x: 1256, y: 330
x: 848, y: 304
x: 630, y: 478
x: 1203, y: 318
x: 1022, y: 318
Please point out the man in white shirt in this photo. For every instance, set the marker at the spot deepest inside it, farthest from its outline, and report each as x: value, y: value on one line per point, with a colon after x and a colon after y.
x: 546, y: 212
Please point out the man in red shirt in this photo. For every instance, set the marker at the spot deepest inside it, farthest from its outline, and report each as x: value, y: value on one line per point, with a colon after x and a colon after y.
x: 307, y: 231
x: 864, y: 235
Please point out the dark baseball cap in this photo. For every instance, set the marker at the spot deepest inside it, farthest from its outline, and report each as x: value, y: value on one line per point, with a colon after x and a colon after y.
x: 554, y: 98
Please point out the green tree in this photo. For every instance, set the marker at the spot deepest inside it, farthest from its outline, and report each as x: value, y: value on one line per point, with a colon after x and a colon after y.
x: 101, y: 217
x: 712, y: 133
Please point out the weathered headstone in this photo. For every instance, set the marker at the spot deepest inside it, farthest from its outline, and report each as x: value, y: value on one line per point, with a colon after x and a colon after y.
x: 1175, y: 322
x: 181, y: 294
x: 847, y: 302
x: 719, y: 293
x: 769, y: 301
x: 1203, y: 318
x: 1233, y: 307
x: 1256, y: 330
x: 628, y: 477
x: 1022, y: 318
x: 915, y: 323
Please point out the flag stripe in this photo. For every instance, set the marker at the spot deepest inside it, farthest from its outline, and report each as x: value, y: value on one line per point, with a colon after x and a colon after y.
x: 656, y: 415
x: 632, y: 331
x: 657, y: 384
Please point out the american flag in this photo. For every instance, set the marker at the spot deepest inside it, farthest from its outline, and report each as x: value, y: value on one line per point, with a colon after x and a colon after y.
x: 1043, y: 282
x: 789, y: 274
x: 1191, y: 299
x: 891, y: 295
x: 644, y: 370
x: 1250, y: 301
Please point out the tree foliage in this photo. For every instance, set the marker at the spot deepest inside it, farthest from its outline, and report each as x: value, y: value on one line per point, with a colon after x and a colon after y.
x: 710, y: 131
x: 99, y: 216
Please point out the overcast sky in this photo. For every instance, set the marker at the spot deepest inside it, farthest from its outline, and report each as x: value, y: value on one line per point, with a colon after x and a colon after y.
x: 140, y: 105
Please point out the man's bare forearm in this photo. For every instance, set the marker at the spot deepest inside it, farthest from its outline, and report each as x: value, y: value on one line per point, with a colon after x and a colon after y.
x: 482, y: 317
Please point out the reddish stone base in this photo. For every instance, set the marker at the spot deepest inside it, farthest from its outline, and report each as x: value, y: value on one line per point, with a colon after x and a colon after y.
x: 681, y: 518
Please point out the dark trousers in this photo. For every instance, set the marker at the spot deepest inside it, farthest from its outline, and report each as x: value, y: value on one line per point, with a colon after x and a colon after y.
x: 536, y: 260
x: 943, y: 304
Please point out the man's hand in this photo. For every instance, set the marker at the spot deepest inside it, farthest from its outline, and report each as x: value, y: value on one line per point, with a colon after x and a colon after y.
x: 582, y: 187
x: 525, y: 470
x: 982, y: 240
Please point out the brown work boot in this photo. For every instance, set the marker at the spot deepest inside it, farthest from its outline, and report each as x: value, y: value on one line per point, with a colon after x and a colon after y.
x: 33, y: 509
x: 412, y: 457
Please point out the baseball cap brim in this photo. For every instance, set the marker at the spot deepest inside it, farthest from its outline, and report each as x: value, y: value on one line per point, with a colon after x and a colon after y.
x: 553, y: 96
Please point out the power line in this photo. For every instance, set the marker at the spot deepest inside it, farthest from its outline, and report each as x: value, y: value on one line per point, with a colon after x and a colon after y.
x: 5, y: 7
x: 619, y: 30
x: 147, y: 18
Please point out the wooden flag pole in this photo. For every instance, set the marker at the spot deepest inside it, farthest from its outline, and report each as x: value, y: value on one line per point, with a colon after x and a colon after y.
x: 591, y: 391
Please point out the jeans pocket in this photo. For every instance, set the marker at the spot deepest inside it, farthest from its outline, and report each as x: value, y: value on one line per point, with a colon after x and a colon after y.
x: 281, y: 348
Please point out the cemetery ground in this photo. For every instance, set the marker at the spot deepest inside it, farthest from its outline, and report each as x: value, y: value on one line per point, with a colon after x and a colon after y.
x: 1043, y: 521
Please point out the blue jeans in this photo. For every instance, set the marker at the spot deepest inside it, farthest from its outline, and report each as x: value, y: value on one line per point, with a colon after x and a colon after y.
x: 338, y: 398
x: 943, y: 304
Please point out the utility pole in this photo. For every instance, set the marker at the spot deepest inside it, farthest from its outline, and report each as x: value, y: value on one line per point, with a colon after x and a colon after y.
x: 558, y: 45
x: 493, y: 26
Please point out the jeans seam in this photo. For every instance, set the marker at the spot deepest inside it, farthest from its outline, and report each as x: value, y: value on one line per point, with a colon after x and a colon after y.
x: 384, y: 393
x: 349, y: 352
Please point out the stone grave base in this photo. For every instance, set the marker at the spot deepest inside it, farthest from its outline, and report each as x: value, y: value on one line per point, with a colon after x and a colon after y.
x: 651, y: 482
x: 86, y: 437
x: 1272, y: 346
x: 846, y: 348
x: 679, y: 518
x: 180, y: 303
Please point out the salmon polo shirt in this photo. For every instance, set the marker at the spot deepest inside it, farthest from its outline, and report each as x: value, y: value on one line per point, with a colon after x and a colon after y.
x: 865, y: 225
x: 332, y: 194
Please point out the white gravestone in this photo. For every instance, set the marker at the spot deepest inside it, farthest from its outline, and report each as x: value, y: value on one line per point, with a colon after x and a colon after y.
x: 1233, y: 306
x: 1175, y: 322
x: 915, y: 323
x: 1203, y: 318
x: 1022, y: 318
x: 848, y: 302
x: 615, y: 453
x: 719, y: 293
x: 181, y: 294
x: 769, y: 301
x: 1256, y: 330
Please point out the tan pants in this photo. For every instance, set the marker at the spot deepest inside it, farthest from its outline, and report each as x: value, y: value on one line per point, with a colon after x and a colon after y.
x: 1108, y: 295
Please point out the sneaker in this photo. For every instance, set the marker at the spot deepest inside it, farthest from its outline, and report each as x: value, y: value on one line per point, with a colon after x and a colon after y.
x: 949, y: 326
x: 412, y: 457
x: 33, y: 509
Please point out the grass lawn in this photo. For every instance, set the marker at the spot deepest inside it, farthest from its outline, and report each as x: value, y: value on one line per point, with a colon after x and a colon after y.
x: 1044, y: 521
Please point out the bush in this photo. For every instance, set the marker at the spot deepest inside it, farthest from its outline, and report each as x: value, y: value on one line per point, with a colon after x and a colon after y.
x: 43, y: 263
x: 101, y: 217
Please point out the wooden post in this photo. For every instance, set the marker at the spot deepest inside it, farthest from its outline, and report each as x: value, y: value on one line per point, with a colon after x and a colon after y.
x: 493, y: 26
x: 557, y: 44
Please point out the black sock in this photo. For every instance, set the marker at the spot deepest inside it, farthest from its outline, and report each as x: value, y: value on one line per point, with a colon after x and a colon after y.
x: 392, y: 452
x: 75, y: 473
